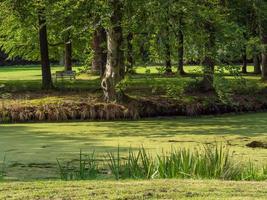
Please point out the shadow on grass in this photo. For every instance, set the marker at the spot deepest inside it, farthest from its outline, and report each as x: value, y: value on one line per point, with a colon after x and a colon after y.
x: 65, y: 85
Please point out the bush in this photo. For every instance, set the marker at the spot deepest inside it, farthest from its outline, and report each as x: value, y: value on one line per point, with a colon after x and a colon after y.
x: 175, y: 91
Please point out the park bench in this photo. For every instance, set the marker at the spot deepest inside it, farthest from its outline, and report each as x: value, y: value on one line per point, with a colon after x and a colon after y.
x: 65, y: 74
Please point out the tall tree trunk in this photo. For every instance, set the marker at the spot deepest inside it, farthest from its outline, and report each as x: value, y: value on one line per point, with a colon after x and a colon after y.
x: 143, y: 49
x: 264, y: 57
x: 209, y: 61
x: 245, y: 62
x: 167, y: 49
x: 46, y: 70
x: 181, y: 47
x: 99, y: 46
x: 263, y: 33
x: 115, y: 59
x: 68, y: 54
x: 168, y: 63
x: 130, y: 59
x: 257, y: 64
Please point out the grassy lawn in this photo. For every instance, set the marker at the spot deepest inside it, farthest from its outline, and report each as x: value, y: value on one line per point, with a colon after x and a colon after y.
x: 28, y: 78
x: 156, y: 189
x: 23, y: 83
x: 32, y: 149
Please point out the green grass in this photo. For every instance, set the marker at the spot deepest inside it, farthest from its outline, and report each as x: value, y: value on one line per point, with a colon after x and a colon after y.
x: 135, y: 190
x: 31, y: 149
x: 187, y: 69
x: 28, y: 78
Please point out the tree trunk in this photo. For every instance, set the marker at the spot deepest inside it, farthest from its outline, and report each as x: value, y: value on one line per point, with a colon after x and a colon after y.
x: 68, y: 54
x: 143, y: 49
x: 264, y: 57
x: 168, y: 63
x: 99, y: 46
x: 244, y: 58
x: 130, y: 59
x: 209, y: 61
x: 166, y: 41
x: 46, y: 70
x: 257, y: 64
x: 181, y: 48
x: 263, y: 34
x: 115, y: 59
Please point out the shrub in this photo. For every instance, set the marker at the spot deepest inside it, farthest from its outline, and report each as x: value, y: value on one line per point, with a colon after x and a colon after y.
x: 175, y: 91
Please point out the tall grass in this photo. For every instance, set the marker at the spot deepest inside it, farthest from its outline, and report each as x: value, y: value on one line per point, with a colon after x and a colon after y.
x: 2, y: 168
x: 83, y: 169
x: 210, y: 162
x: 138, y: 165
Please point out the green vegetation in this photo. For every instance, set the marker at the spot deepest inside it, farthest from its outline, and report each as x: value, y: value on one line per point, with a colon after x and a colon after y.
x: 28, y: 78
x: 212, y: 162
x: 2, y: 168
x: 156, y: 189
x: 133, y: 60
x: 37, y: 146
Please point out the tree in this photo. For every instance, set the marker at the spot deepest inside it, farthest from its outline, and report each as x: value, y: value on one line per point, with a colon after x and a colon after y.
x: 262, y: 11
x: 46, y: 70
x: 182, y: 12
x: 115, y: 68
x: 180, y: 41
x: 30, y: 17
x: 68, y: 54
x: 99, y: 48
x: 210, y: 51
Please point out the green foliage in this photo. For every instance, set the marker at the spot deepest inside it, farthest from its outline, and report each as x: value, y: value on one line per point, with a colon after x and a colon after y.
x: 86, y: 168
x: 138, y: 165
x: 223, y: 89
x: 227, y: 88
x: 123, y: 85
x: 211, y: 162
x: 115, y: 164
x: 176, y: 91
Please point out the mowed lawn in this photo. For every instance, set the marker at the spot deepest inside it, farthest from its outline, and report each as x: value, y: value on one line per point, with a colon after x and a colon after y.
x: 135, y: 190
x: 28, y: 78
x: 31, y: 149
